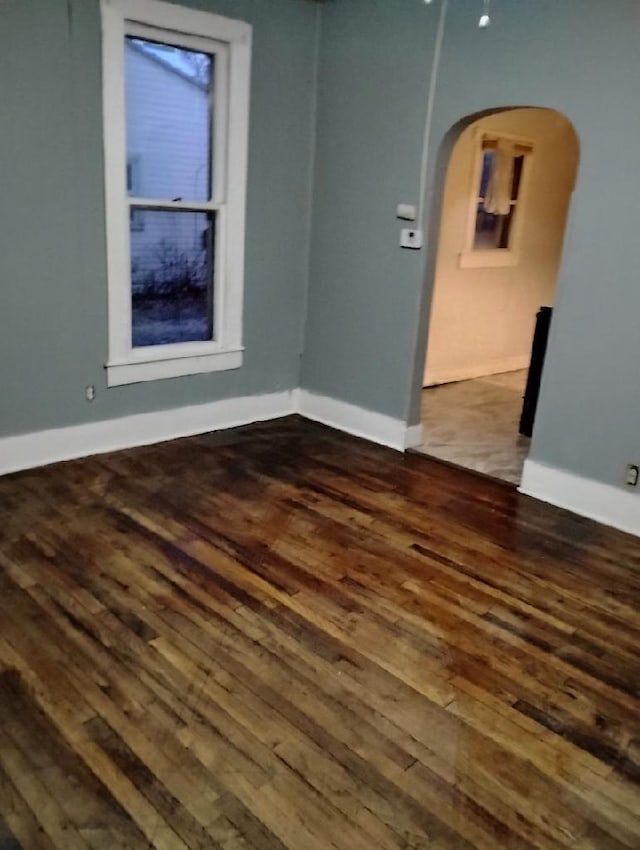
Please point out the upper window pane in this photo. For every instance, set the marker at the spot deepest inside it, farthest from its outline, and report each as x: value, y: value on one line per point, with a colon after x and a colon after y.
x: 169, y: 121
x: 487, y: 167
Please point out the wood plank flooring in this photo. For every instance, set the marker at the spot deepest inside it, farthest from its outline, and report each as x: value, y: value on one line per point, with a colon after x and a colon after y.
x: 283, y: 638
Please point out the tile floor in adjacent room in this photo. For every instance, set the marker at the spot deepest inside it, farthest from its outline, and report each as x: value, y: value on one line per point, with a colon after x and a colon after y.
x: 474, y: 424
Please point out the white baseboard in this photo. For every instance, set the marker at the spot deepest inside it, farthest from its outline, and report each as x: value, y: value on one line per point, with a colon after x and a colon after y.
x: 414, y: 436
x: 26, y: 451
x: 433, y: 377
x: 358, y: 421
x: 601, y: 502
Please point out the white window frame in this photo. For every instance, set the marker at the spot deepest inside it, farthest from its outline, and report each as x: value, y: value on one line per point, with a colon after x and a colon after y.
x: 136, y: 222
x: 472, y: 257
x: 230, y: 40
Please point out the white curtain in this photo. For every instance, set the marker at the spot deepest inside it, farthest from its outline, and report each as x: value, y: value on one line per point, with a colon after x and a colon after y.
x: 498, y: 197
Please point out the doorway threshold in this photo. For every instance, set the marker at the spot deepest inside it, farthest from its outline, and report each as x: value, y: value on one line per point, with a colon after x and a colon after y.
x: 478, y: 473
x: 473, y: 425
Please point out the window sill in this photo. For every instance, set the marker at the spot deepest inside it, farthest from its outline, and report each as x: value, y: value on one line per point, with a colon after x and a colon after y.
x: 497, y: 259
x: 137, y: 371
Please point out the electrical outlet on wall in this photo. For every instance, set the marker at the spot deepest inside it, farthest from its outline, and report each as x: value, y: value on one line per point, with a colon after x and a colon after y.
x: 90, y: 392
x: 633, y: 475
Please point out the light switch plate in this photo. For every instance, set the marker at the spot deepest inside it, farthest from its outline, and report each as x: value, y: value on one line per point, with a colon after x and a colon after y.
x: 407, y: 212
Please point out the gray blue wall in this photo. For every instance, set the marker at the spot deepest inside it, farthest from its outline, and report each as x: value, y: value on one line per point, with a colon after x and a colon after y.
x: 363, y: 295
x: 366, y: 324
x: 367, y: 299
x: 53, y: 323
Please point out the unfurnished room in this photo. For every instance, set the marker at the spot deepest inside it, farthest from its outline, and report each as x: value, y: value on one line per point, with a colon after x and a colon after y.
x: 319, y: 442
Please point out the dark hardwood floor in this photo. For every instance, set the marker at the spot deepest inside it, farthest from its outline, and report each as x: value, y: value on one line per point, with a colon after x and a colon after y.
x: 282, y: 637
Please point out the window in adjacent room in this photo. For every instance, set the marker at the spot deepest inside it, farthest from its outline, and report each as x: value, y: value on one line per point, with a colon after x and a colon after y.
x: 496, y: 202
x: 176, y: 101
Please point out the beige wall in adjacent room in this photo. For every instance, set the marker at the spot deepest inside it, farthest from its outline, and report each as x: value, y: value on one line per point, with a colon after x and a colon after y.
x: 482, y: 319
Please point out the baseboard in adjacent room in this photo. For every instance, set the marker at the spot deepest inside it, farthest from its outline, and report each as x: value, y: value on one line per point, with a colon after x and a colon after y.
x: 26, y: 451
x: 435, y: 377
x: 602, y: 502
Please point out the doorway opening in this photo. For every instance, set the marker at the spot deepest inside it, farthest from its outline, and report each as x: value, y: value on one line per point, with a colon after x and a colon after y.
x: 507, y: 192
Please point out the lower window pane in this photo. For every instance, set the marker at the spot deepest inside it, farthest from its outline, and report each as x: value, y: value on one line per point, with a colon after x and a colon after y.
x: 492, y: 231
x: 171, y: 276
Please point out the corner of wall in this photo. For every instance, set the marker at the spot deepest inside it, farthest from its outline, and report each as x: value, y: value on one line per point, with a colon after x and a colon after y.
x: 313, y: 105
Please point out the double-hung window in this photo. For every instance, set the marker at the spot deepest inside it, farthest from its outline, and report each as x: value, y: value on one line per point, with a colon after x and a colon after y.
x: 497, y: 197
x: 176, y: 106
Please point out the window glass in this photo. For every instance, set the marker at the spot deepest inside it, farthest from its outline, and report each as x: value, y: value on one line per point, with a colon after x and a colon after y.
x: 168, y: 105
x: 494, y: 231
x: 518, y: 165
x: 171, y: 277
x: 487, y: 167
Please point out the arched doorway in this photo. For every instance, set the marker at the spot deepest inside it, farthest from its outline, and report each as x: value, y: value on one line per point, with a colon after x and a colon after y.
x: 509, y: 181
